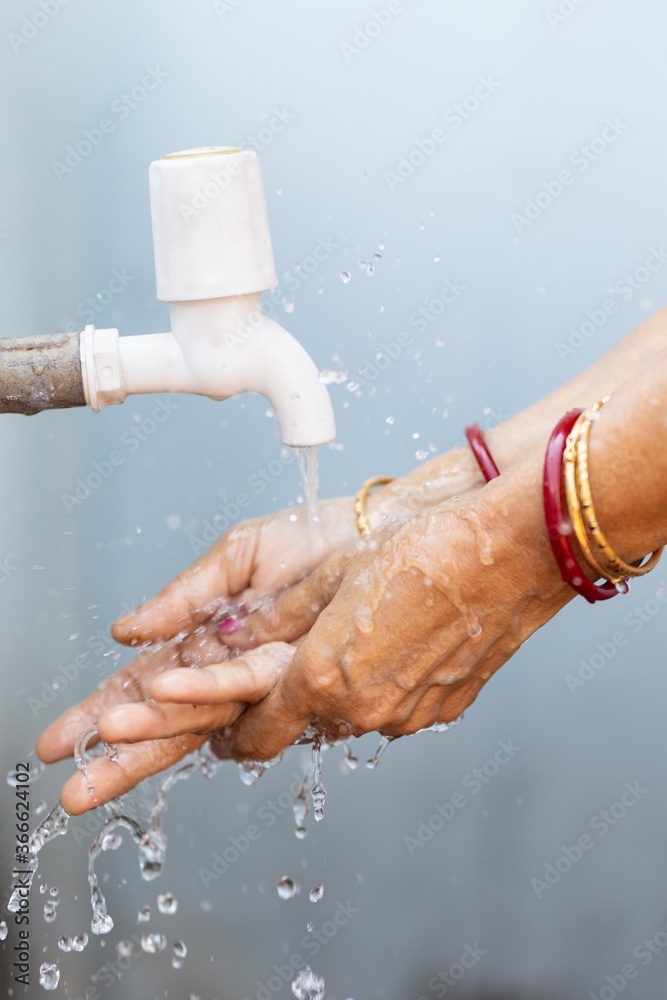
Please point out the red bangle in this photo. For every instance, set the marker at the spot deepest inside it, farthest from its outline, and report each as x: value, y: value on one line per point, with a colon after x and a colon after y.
x: 481, y: 452
x: 559, y: 530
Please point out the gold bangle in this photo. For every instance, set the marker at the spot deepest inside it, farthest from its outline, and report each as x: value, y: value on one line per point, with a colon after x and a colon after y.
x: 609, y: 561
x: 573, y: 503
x: 363, y: 524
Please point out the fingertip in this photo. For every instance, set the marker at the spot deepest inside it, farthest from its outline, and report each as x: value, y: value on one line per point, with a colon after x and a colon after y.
x: 77, y: 797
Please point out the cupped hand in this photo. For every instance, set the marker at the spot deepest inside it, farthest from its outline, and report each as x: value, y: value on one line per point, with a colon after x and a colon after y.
x: 406, y: 628
x: 155, y: 735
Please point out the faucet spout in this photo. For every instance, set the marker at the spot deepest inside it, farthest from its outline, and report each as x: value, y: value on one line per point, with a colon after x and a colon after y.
x: 217, y: 348
x: 229, y: 346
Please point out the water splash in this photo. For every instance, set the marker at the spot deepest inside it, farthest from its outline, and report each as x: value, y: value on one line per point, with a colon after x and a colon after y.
x: 308, y: 986
x: 80, y: 754
x: 318, y: 793
x: 49, y: 976
x: 287, y: 887
x: 153, y: 943
x: 166, y: 903
x: 373, y: 762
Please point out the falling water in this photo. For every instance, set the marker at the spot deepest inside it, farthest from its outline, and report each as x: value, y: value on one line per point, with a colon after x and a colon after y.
x: 309, y: 467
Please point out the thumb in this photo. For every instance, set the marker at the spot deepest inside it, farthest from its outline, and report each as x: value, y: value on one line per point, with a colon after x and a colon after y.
x: 192, y: 597
x: 290, y: 615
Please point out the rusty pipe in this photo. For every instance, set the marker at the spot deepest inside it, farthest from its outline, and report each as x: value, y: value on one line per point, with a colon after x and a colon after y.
x: 40, y: 373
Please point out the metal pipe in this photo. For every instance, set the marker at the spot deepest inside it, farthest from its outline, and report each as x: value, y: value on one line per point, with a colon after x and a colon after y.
x: 40, y: 373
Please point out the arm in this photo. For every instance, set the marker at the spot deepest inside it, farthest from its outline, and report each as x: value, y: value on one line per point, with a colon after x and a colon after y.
x: 408, y: 631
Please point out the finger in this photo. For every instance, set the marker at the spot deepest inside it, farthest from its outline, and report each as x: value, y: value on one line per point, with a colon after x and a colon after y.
x: 224, y: 572
x: 291, y: 614
x: 248, y: 678
x: 264, y: 730
x: 129, y: 684
x: 112, y: 778
x: 153, y: 721
x: 225, y: 691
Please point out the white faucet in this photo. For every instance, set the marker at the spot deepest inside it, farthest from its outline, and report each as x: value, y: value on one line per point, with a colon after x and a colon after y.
x: 213, y: 258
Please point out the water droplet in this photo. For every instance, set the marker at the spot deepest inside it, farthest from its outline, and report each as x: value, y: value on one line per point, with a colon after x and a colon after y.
x: 65, y: 943
x: 144, y: 914
x: 43, y: 888
x: 329, y: 377
x: 153, y: 943
x: 166, y: 903
x: 308, y: 986
x: 352, y: 386
x: 475, y: 630
x: 180, y: 949
x: 389, y: 420
x: 40, y: 807
x: 437, y: 259
x: 3, y: 930
x: 111, y: 842
x: 54, y: 892
x: 421, y: 455
x: 50, y: 911
x: 288, y: 306
x: 124, y: 949
x: 286, y: 887
x: 174, y: 522
x: 80, y: 942
x: 345, y: 277
x: 316, y: 893
x: 49, y: 976
x: 439, y: 341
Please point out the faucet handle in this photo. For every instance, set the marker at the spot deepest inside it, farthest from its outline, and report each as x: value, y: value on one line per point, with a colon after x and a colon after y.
x: 211, y: 234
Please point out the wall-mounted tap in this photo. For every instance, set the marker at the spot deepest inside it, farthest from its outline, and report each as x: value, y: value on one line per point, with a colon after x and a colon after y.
x: 213, y: 258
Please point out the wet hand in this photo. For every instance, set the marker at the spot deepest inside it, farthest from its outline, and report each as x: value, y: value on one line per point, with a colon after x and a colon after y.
x: 404, y: 631
x: 155, y: 735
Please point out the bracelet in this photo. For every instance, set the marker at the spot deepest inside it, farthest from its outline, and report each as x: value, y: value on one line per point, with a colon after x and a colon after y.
x: 604, y: 558
x: 558, y: 526
x: 363, y: 524
x: 480, y: 450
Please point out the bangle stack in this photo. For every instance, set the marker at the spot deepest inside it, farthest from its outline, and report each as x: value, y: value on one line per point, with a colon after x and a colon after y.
x: 569, y: 511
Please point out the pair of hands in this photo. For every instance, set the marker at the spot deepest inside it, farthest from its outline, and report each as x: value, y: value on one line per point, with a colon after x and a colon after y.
x: 395, y: 632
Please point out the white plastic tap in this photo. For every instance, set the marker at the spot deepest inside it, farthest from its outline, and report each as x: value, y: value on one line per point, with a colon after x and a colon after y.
x: 213, y: 258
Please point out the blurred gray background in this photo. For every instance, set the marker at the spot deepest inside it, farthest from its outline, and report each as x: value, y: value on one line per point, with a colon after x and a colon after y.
x: 356, y: 97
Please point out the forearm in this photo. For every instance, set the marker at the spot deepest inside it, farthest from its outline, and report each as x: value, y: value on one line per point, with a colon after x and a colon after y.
x: 526, y: 433
x: 628, y: 480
